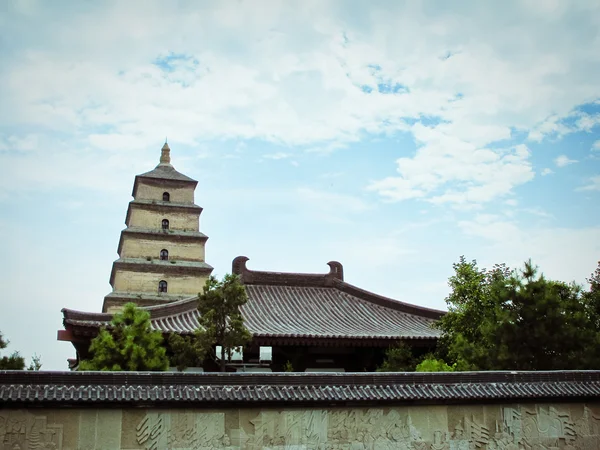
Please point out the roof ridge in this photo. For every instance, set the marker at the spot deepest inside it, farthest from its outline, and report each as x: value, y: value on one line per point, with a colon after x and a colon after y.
x: 336, y: 272
x: 335, y: 278
x: 295, y: 378
x: 156, y: 311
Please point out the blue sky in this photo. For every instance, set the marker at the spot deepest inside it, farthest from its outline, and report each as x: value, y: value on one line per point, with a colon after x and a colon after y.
x: 390, y: 136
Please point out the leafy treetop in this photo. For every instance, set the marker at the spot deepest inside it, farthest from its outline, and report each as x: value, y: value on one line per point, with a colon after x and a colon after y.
x: 500, y: 319
x: 221, y: 322
x: 128, y: 344
x: 13, y: 362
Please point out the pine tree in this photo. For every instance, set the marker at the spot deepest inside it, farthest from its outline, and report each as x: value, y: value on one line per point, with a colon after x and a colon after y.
x: 398, y: 358
x: 128, y: 344
x: 13, y: 362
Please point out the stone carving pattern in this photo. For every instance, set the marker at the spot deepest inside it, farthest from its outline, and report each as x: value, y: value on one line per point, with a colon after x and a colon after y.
x: 157, y: 431
x: 545, y: 428
x: 22, y: 431
x: 541, y: 427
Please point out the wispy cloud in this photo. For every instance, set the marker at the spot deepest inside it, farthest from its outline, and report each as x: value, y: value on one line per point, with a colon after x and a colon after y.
x: 592, y: 184
x: 538, y: 212
x: 465, y: 173
x: 277, y: 155
x: 556, y: 126
x: 307, y: 86
x: 13, y: 143
x: 564, y: 160
x: 547, y: 171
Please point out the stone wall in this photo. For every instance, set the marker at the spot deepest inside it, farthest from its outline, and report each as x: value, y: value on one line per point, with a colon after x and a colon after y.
x: 147, y: 282
x: 155, y: 191
x: 144, y: 218
x: 510, y: 426
x: 135, y: 247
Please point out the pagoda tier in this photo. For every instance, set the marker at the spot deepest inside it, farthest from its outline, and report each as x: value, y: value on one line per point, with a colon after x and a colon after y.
x: 161, y: 252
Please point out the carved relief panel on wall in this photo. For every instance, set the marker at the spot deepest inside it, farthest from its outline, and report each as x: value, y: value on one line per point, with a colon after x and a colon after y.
x: 416, y: 428
x: 22, y: 431
x: 475, y: 427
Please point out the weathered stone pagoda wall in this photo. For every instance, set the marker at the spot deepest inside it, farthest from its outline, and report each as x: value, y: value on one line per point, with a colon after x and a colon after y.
x: 511, y: 426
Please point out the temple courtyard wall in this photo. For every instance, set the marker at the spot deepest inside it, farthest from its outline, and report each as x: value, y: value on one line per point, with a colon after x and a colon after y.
x: 476, y: 410
x: 527, y: 425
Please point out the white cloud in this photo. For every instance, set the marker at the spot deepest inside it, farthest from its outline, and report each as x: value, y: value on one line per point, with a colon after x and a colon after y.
x: 547, y: 171
x: 452, y: 170
x: 563, y: 160
x: 559, y: 126
x: 593, y: 184
x: 596, y: 145
x: 538, y: 212
x: 587, y: 122
x: 277, y: 155
x: 316, y: 84
x: 15, y: 143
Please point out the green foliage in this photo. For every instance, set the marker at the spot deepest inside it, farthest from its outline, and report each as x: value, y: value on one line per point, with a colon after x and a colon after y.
x: 591, y: 298
x: 398, y: 358
x: 431, y: 364
x: 501, y: 319
x: 129, y: 344
x: 221, y: 322
x: 187, y: 351
x: 288, y: 367
x: 13, y: 362
x: 36, y: 363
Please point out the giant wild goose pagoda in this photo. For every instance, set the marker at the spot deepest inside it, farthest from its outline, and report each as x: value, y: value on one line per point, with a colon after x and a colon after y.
x: 317, y: 322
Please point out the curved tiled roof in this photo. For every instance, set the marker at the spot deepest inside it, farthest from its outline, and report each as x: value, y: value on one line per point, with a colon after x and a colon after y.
x: 297, y: 306
x: 326, y: 312
x: 18, y: 388
x: 166, y: 172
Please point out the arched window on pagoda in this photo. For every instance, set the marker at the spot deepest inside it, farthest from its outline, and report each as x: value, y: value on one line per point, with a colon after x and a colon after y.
x: 165, y: 224
x: 162, y: 286
x: 166, y: 197
x: 164, y: 254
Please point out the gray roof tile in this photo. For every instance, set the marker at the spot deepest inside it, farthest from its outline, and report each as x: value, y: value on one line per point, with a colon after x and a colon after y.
x: 65, y: 388
x: 297, y: 307
x: 165, y: 172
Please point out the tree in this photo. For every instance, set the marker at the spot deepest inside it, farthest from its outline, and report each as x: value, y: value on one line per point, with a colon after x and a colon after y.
x: 501, y: 319
x: 471, y: 308
x: 128, y: 343
x: 221, y: 322
x: 398, y: 358
x: 187, y: 351
x: 591, y: 298
x: 433, y: 365
x: 36, y: 363
x: 13, y: 362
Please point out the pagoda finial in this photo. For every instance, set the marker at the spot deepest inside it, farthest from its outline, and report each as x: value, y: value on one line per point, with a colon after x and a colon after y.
x: 165, y: 155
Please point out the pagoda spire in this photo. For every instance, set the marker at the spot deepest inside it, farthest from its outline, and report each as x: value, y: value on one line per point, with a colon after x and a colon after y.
x: 165, y: 155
